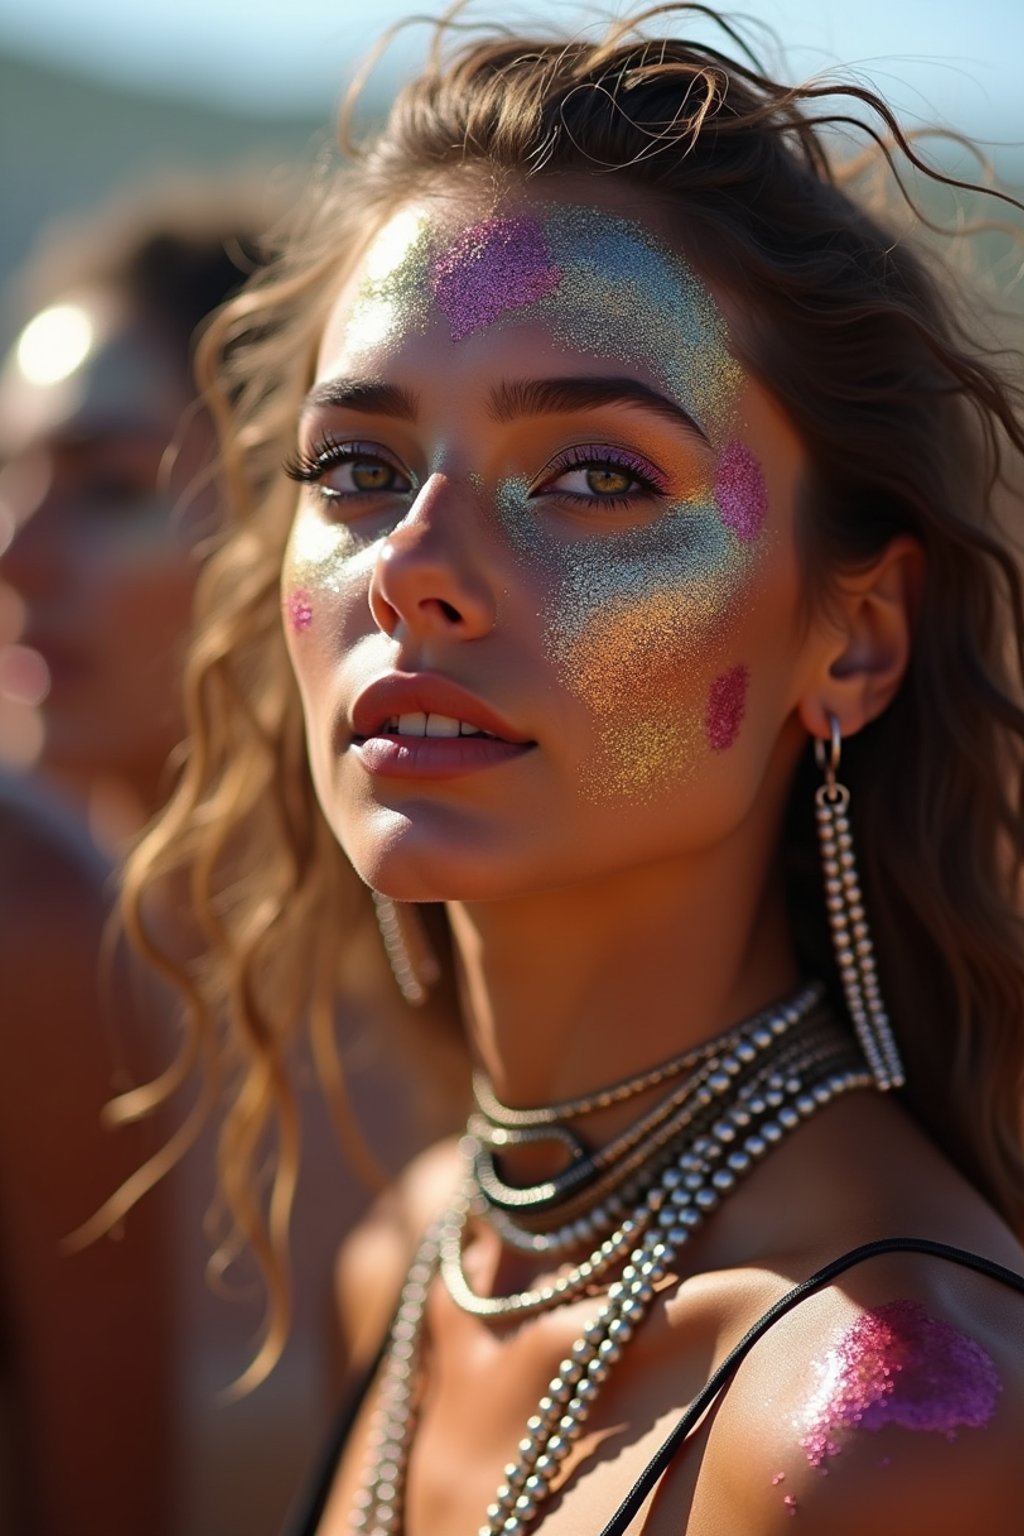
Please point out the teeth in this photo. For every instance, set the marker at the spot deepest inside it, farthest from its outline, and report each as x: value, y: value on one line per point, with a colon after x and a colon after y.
x: 442, y: 725
x: 432, y: 725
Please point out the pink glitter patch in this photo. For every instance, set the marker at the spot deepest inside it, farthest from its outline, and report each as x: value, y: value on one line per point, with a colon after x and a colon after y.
x: 498, y: 264
x: 299, y: 608
x: 727, y: 703
x: 899, y: 1365
x: 740, y: 492
x: 790, y: 1503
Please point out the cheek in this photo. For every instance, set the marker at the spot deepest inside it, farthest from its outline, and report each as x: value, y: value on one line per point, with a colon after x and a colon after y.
x: 639, y: 638
x: 727, y: 704
x: 323, y: 585
x: 298, y: 609
x: 741, y: 495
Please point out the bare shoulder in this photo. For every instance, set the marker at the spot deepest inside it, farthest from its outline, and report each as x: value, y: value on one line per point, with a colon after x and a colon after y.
x: 891, y: 1402
x: 372, y: 1261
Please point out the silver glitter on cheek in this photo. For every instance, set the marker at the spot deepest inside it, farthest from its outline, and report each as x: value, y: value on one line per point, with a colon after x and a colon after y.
x: 635, y: 621
x: 322, y: 563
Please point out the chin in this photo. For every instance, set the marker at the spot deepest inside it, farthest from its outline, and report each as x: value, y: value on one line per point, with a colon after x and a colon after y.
x: 402, y: 860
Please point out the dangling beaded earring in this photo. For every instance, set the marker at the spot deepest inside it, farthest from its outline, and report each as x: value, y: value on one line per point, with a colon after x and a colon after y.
x: 413, y: 963
x: 851, y: 937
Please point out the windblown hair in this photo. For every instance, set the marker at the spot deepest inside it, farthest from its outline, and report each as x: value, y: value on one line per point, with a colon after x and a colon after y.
x: 912, y: 422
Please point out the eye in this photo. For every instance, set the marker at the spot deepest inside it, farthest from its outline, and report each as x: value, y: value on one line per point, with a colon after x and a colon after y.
x: 596, y: 473
x: 598, y: 480
x: 342, y: 470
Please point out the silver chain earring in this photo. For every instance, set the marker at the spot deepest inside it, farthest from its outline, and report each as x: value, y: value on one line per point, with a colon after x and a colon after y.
x: 855, y: 952
x: 413, y: 963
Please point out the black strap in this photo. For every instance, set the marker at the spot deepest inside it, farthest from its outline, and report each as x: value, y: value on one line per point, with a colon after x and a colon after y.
x: 306, y: 1512
x: 632, y: 1503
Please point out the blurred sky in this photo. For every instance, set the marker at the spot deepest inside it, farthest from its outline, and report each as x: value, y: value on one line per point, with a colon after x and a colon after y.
x: 937, y: 59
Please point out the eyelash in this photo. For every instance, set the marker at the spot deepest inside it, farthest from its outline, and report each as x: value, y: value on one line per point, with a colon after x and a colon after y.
x: 590, y: 456
x: 308, y: 467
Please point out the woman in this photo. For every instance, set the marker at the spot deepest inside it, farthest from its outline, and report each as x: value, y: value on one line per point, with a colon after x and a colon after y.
x: 644, y: 538
x: 105, y: 480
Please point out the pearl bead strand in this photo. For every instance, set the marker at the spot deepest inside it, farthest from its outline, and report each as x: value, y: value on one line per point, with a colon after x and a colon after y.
x: 775, y: 1100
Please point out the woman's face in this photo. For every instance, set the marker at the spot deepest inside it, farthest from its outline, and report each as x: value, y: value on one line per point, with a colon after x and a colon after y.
x: 544, y: 502
x: 91, y: 545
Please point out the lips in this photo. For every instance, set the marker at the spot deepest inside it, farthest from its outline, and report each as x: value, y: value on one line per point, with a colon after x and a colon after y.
x: 389, y: 702
x: 421, y: 725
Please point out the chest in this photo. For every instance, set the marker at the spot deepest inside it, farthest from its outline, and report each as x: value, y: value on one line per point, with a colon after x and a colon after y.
x: 480, y: 1388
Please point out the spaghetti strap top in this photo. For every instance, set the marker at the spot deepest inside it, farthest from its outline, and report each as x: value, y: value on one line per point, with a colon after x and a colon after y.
x: 311, y: 1509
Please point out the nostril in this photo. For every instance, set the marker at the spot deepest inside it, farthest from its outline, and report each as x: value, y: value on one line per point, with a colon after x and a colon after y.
x: 451, y: 614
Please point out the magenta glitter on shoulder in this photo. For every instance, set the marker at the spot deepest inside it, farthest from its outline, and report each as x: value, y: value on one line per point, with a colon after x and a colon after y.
x: 900, y: 1365
x: 496, y: 265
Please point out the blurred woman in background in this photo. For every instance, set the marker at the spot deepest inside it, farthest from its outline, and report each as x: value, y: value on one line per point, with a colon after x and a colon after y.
x: 99, y: 440
x: 105, y: 482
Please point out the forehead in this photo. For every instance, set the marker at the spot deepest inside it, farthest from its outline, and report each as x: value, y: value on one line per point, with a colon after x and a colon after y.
x: 598, y: 281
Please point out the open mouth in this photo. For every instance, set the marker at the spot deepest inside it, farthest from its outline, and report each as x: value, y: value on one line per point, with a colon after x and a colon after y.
x: 437, y: 726
x: 433, y: 746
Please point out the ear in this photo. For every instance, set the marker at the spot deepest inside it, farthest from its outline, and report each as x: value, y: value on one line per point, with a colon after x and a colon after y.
x: 865, y: 656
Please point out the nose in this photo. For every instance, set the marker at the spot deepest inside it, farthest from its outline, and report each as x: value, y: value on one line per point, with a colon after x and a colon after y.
x: 430, y: 581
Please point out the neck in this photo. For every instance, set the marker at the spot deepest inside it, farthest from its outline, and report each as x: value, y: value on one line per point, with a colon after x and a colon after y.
x: 571, y: 989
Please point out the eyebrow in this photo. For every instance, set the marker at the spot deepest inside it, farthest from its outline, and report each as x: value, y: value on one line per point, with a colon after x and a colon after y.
x: 511, y: 400
x: 543, y: 397
x: 364, y: 395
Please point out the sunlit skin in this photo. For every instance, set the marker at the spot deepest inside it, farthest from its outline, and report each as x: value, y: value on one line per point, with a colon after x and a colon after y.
x: 97, y: 557
x: 612, y: 884
x: 375, y: 578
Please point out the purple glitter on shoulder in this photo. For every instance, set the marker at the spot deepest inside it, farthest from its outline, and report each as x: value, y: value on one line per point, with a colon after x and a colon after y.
x: 900, y: 1365
x: 496, y: 265
x: 740, y: 492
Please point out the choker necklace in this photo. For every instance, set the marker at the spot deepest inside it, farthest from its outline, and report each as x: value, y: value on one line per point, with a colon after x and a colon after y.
x: 573, y: 1206
x: 739, y: 1096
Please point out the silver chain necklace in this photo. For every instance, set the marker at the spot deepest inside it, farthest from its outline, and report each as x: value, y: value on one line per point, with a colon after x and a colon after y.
x: 794, y: 1071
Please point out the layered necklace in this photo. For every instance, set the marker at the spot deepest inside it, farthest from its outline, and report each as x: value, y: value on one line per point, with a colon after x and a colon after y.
x: 630, y: 1206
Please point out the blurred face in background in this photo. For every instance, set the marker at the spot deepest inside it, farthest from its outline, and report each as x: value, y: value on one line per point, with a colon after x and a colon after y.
x: 96, y: 570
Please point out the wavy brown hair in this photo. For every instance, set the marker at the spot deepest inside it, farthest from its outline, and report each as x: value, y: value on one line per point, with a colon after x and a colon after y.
x: 912, y: 423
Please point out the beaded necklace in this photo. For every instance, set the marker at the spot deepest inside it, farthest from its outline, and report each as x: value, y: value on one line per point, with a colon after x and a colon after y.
x: 640, y: 1199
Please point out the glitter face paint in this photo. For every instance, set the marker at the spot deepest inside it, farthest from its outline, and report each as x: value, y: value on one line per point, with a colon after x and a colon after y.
x: 497, y: 265
x: 626, y: 605
x: 600, y: 283
x: 726, y: 707
x: 299, y: 608
x: 625, y: 608
x: 634, y: 618
x: 899, y: 1365
x: 321, y: 562
x: 740, y: 493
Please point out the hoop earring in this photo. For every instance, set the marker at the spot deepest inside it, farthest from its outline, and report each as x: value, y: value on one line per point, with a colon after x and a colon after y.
x: 851, y: 937
x: 413, y: 963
